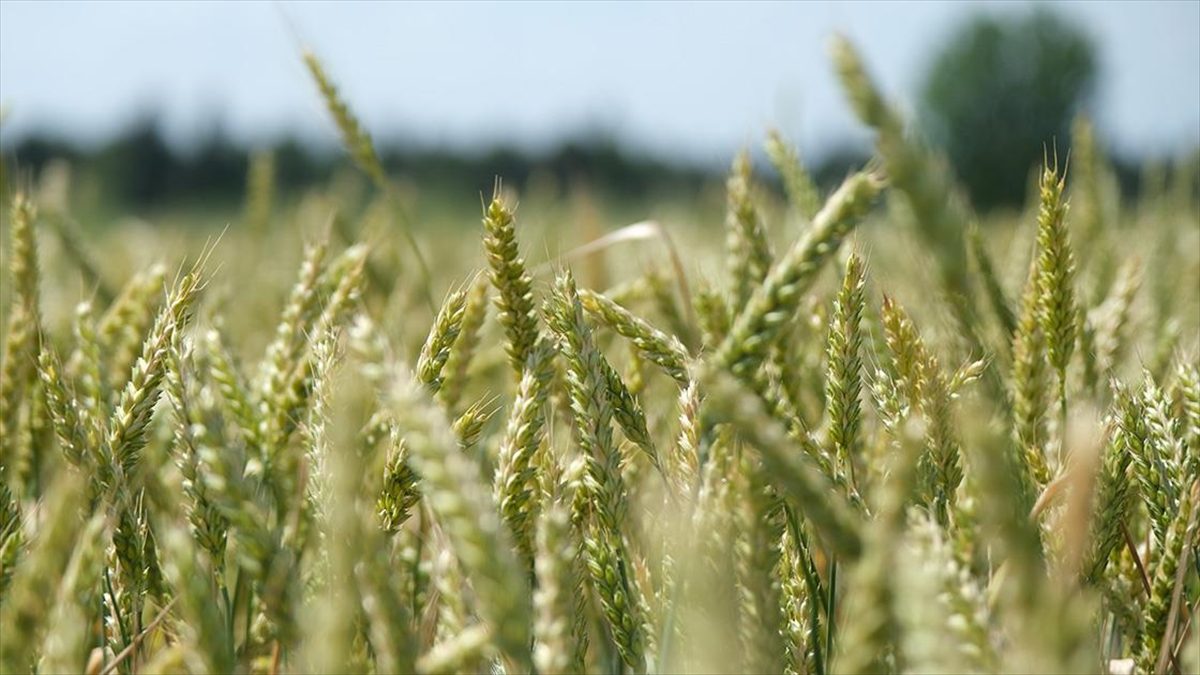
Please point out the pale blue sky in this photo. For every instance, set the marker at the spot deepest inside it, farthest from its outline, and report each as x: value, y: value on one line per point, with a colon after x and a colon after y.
x: 697, y: 80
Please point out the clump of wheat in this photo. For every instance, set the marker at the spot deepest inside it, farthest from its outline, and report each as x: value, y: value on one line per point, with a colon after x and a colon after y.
x: 804, y: 466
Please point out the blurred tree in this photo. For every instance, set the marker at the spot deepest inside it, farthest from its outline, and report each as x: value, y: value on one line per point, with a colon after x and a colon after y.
x: 1002, y: 90
x: 215, y: 166
x: 138, y: 166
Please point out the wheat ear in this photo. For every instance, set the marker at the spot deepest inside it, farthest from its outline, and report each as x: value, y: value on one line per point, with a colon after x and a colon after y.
x: 773, y: 303
x: 802, y: 192
x: 843, y: 383
x: 513, y: 283
x: 1057, y: 309
x: 746, y: 238
x: 652, y: 344
x: 588, y: 389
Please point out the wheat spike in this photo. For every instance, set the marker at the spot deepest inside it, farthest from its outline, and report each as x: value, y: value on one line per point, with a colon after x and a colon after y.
x: 654, y: 345
x: 1113, y: 494
x: 843, y: 384
x: 463, y: 351
x: 354, y: 137
x: 442, y: 336
x: 939, y: 212
x: 802, y: 193
x: 1177, y: 538
x: 17, y: 373
x: 127, y: 434
x: 872, y: 633
x: 554, y: 647
x: 759, y: 323
x: 1057, y: 308
x: 603, y: 542
x: 997, y: 298
x: 512, y: 281
x: 749, y: 251
x: 516, y: 472
x: 123, y: 328
x: 1030, y: 386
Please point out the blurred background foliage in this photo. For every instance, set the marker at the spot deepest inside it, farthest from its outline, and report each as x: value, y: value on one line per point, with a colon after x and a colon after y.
x: 999, y: 90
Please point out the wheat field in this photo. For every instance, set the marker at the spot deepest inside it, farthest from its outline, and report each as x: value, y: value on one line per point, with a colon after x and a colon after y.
x: 856, y: 432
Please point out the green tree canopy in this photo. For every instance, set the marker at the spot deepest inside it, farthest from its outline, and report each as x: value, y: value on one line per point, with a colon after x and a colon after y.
x: 1002, y: 90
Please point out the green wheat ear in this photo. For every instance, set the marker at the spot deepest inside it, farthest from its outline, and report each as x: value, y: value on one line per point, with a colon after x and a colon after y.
x: 1107, y: 326
x: 355, y: 138
x: 123, y: 326
x: 760, y: 322
x: 80, y: 250
x: 23, y: 258
x: 358, y: 143
x: 665, y: 351
x: 36, y: 577
x: 1180, y: 534
x: 940, y: 601
x: 997, y: 298
x: 683, y: 456
x: 796, y: 475
x: 463, y: 351
x: 516, y: 472
x: 802, y: 192
x: 1094, y: 184
x: 61, y: 405
x: 1114, y: 496
x: 77, y: 594
x: 1188, y: 377
x: 297, y: 320
x: 17, y: 375
x: 1030, y: 385
x: 554, y: 567
x: 1058, y: 313
x: 760, y: 520
x: 749, y: 251
x: 12, y: 537
x: 513, y: 283
x: 128, y: 432
x: 1160, y: 463
x: 929, y: 391
x: 874, y: 628
x: 442, y: 336
x: 588, y: 389
x: 843, y: 383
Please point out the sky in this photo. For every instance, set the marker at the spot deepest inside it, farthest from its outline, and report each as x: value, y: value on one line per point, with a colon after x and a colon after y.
x: 689, y: 80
